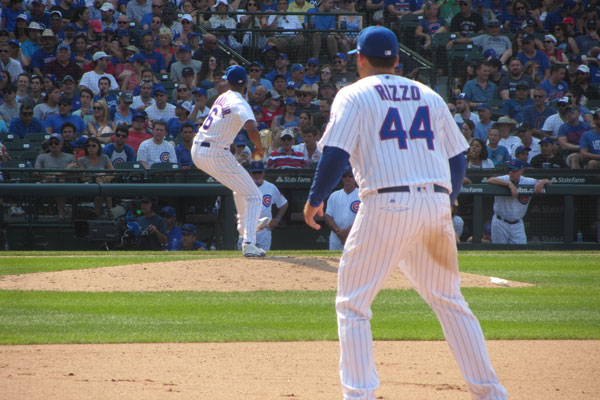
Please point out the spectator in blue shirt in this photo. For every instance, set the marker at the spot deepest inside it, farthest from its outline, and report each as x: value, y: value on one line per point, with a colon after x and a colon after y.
x: 188, y: 239
x: 119, y: 151
x: 535, y: 114
x: 151, y: 57
x: 46, y: 54
x: 25, y: 123
x: 10, y: 14
x: 322, y: 24
x: 183, y: 149
x: 529, y: 53
x: 514, y: 107
x: 496, y: 152
x: 173, y: 231
x: 54, y: 122
x: 182, y: 112
x: 555, y: 85
x: 589, y: 145
x: 37, y: 13
x: 481, y: 89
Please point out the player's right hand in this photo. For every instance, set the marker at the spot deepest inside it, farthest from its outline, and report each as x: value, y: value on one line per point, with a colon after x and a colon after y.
x: 258, y: 155
x: 309, y: 215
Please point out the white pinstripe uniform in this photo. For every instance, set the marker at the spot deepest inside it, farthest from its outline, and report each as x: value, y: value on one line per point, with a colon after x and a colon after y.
x: 270, y: 195
x: 400, y: 133
x: 227, y: 116
x: 507, y: 223
x: 342, y: 207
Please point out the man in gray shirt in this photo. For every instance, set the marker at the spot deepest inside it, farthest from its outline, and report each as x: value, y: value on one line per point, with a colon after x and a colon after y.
x: 10, y: 109
x: 136, y: 9
x: 56, y: 159
x: 185, y: 60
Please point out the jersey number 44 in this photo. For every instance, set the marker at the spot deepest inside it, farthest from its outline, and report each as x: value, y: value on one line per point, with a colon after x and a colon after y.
x: 420, y: 128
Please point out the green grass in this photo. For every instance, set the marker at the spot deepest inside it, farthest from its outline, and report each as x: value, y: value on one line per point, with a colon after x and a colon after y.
x: 564, y: 304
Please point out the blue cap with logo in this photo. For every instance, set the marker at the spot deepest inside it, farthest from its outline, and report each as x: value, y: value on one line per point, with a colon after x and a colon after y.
x: 521, y: 149
x: 376, y: 41
x: 189, y: 229
x: 167, y: 211
x: 297, y: 67
x: 136, y: 57
x: 240, y: 140
x: 257, y: 166
x: 463, y: 96
x: 547, y: 139
x: 515, y: 164
x: 235, y: 74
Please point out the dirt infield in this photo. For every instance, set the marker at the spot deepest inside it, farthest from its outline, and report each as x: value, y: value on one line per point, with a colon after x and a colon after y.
x: 299, y: 370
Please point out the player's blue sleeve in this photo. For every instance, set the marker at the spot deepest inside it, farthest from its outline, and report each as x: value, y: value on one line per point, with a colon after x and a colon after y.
x: 458, y: 166
x: 328, y: 173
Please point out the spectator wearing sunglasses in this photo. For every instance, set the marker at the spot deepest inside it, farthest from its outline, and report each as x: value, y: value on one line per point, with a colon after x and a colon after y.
x: 119, y: 151
x: 466, y: 21
x: 54, y: 122
x: 26, y: 123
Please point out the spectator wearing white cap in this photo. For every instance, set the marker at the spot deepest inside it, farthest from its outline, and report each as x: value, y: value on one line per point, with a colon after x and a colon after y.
x: 90, y: 79
x: 56, y: 24
x: 554, y: 122
x: 183, y: 110
x: 582, y: 79
x: 46, y: 54
x: 108, y: 17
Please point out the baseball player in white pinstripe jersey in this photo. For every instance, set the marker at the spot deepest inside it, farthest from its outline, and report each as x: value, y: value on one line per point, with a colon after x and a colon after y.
x: 210, y: 152
x: 342, y: 207
x: 406, y: 154
x: 507, y: 223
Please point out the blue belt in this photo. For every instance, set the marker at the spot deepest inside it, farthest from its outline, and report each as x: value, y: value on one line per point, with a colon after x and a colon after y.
x: 436, y: 188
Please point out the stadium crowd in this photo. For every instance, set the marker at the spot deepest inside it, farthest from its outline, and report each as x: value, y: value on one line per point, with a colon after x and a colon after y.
x: 137, y: 78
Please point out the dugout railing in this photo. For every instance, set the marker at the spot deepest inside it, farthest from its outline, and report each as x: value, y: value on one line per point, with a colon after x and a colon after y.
x: 568, y: 206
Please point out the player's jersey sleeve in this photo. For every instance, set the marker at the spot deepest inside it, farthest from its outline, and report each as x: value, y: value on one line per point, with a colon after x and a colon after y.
x: 343, y: 122
x: 278, y: 198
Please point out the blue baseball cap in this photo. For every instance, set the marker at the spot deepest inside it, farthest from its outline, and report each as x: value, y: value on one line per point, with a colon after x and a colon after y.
x: 136, y: 57
x: 64, y: 46
x: 283, y: 55
x: 341, y: 55
x: 257, y: 166
x: 515, y: 164
x: 240, y: 140
x: 81, y: 142
x: 313, y: 61
x: 490, y: 53
x: 547, y: 139
x: 168, y: 211
x: 463, y: 96
x: 376, y: 41
x: 235, y: 74
x: 201, y: 91
x: 297, y: 67
x: 14, y: 42
x: 484, y: 106
x: 159, y: 88
x: 291, y: 100
x: 521, y: 149
x: 123, y: 32
x: 188, y: 123
x: 185, y: 47
x: 139, y: 114
x: 256, y: 64
x: 189, y: 229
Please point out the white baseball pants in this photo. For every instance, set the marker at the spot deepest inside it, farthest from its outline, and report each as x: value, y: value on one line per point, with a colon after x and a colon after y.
x: 413, y: 231
x: 505, y: 233
x: 222, y: 166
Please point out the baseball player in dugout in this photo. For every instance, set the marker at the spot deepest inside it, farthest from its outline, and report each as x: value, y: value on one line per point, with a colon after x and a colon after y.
x: 507, y: 222
x: 342, y: 207
x: 210, y: 152
x: 407, y: 157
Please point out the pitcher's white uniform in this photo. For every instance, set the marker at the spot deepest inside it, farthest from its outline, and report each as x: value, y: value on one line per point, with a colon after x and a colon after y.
x: 507, y: 223
x: 399, y: 135
x: 211, y: 154
x: 342, y: 207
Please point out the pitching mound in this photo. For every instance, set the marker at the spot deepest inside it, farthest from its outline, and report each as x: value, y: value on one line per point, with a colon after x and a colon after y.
x: 222, y: 274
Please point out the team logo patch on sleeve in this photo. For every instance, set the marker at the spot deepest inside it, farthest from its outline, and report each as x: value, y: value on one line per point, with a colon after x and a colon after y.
x: 354, y: 206
x: 267, y: 200
x: 164, y: 157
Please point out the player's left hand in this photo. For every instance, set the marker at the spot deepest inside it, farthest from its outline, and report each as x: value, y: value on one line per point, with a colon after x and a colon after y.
x: 309, y: 215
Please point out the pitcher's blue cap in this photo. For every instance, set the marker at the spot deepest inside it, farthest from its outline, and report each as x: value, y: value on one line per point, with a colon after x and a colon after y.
x: 376, y: 41
x: 235, y: 74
